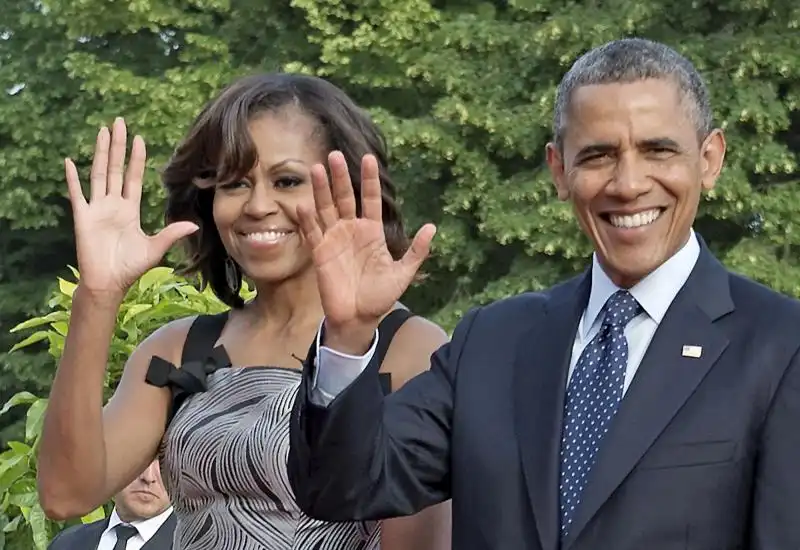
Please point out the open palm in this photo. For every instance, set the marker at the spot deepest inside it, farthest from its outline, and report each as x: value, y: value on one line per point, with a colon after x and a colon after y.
x: 358, y: 279
x: 113, y: 251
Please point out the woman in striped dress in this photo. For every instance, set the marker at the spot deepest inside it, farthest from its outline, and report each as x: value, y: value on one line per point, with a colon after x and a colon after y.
x: 211, y: 395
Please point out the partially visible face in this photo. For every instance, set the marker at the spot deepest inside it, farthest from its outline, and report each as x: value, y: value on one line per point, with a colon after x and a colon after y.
x: 257, y: 217
x: 633, y: 168
x: 145, y: 497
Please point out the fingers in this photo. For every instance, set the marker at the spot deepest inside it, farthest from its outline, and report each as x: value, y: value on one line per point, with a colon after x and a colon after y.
x: 76, y: 197
x: 164, y: 239
x: 109, y: 162
x: 311, y: 230
x: 323, y: 201
x: 371, y: 203
x: 336, y: 200
x: 99, y: 174
x: 342, y: 186
x: 419, y: 250
x: 116, y: 157
x: 134, y: 176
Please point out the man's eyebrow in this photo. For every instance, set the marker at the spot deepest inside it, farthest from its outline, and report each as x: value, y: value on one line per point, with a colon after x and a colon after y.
x: 595, y: 149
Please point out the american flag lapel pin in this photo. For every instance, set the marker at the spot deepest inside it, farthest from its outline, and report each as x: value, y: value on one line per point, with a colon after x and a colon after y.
x: 692, y: 351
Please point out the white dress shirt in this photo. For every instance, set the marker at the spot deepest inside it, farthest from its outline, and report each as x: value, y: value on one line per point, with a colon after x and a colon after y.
x: 335, y: 371
x: 145, y: 530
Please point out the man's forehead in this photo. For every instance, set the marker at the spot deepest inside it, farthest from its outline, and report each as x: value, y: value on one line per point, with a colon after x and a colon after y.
x: 622, y: 96
x: 627, y: 110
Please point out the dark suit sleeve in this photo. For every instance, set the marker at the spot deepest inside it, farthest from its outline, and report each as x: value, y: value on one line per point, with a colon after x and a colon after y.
x: 777, y: 481
x: 54, y: 543
x: 61, y: 540
x: 367, y: 456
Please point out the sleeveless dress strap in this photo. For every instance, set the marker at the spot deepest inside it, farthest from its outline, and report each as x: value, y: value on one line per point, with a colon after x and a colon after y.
x: 203, y: 336
x: 386, y: 331
x: 199, y: 359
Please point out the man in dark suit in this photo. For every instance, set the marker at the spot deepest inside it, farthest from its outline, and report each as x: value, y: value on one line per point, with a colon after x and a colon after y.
x: 651, y: 403
x: 142, y: 520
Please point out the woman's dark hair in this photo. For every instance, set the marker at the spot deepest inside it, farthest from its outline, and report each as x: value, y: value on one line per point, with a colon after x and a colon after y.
x: 218, y: 148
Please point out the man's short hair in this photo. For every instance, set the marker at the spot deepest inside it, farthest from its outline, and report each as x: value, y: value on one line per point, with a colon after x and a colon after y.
x: 631, y: 60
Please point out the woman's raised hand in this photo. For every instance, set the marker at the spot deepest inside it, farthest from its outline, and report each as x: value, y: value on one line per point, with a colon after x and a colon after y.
x: 358, y: 279
x: 113, y: 251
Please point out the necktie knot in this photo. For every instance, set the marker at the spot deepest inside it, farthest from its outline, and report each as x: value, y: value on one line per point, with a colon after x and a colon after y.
x: 621, y: 308
x: 124, y: 533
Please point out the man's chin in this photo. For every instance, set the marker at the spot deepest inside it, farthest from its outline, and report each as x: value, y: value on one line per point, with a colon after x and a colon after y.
x: 147, y: 510
x: 626, y: 266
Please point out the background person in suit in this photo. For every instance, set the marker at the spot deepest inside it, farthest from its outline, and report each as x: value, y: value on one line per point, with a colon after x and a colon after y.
x: 142, y: 519
x: 650, y: 403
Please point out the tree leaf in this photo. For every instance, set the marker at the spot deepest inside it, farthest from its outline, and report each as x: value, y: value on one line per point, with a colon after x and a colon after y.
x: 37, y: 336
x: 12, y: 525
x: 56, y: 346
x: 154, y: 277
x: 39, y: 321
x: 95, y: 515
x: 34, y: 419
x: 11, y: 470
x: 19, y: 447
x: 60, y: 327
x: 38, y: 523
x: 133, y: 311
x: 66, y: 288
x: 24, y: 499
x: 21, y: 398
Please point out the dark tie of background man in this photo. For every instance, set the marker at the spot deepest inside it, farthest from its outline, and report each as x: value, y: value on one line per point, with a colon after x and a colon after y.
x: 124, y: 533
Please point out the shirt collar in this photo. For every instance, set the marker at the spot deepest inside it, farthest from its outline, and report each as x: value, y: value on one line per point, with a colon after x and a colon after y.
x: 146, y: 527
x: 654, y: 293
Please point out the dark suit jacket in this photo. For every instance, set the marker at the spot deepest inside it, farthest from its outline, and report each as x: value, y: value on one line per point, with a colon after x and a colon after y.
x: 704, y: 453
x: 87, y: 537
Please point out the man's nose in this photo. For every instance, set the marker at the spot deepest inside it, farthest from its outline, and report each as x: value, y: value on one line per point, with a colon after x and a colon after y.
x: 630, y: 178
x: 149, y: 476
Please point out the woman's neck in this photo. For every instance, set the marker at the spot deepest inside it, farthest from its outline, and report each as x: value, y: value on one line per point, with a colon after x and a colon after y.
x: 291, y: 302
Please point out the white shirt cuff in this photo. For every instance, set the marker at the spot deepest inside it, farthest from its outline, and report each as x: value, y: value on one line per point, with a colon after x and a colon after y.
x: 335, y: 371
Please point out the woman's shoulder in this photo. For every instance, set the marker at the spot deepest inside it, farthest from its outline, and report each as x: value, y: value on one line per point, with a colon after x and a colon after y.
x: 414, y: 326
x: 411, y: 348
x: 168, y: 340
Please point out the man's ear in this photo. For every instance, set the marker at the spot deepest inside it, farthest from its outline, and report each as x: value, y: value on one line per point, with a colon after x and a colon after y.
x: 556, y: 164
x: 712, y: 156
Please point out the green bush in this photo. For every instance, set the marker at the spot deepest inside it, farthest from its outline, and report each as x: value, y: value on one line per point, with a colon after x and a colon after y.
x: 158, y: 297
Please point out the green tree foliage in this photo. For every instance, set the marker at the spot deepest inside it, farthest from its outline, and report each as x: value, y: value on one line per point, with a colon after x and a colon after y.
x: 157, y: 298
x: 494, y: 70
x: 464, y: 91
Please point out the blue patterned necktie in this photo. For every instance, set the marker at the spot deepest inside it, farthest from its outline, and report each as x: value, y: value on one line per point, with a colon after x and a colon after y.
x: 593, y: 397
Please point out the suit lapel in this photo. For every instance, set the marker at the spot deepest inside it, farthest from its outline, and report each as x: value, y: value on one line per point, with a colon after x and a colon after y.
x: 100, y: 528
x: 163, y: 538
x: 540, y: 371
x: 664, y: 381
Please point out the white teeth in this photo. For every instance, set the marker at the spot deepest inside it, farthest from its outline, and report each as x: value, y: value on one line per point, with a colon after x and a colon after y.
x: 635, y: 220
x: 267, y: 236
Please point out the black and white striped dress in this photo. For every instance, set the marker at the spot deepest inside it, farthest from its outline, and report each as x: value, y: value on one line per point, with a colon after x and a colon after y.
x: 223, y: 457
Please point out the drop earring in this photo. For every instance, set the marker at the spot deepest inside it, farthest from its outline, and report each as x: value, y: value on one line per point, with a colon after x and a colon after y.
x: 232, y: 276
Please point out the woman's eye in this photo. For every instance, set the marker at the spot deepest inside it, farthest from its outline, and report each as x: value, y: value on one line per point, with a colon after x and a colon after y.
x: 288, y: 182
